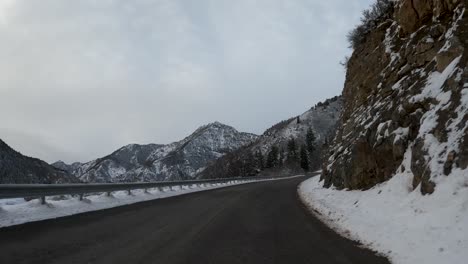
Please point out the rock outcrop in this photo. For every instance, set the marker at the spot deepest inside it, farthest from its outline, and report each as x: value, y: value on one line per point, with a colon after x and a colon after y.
x: 405, y: 100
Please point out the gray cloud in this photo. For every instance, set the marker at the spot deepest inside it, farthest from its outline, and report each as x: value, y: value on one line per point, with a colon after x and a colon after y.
x: 79, y: 79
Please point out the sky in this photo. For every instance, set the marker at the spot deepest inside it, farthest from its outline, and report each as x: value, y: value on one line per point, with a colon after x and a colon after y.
x: 79, y: 79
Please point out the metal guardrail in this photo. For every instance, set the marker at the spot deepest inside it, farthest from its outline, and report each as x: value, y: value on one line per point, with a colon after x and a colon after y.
x: 43, y: 190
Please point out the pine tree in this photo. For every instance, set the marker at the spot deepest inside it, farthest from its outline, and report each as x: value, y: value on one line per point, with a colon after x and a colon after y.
x: 310, y: 141
x: 292, y: 150
x: 272, y: 159
x: 249, y: 164
x: 304, y: 158
x: 281, y: 157
x: 310, y: 146
x: 259, y: 160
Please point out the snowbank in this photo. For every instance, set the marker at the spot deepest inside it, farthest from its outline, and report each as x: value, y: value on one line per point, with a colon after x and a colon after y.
x: 18, y: 211
x: 396, y: 221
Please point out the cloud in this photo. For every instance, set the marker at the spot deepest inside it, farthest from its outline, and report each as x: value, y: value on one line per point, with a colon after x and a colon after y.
x: 79, y: 79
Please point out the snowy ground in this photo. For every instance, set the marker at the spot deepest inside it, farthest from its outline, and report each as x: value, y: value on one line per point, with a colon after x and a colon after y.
x: 19, y: 211
x: 396, y: 221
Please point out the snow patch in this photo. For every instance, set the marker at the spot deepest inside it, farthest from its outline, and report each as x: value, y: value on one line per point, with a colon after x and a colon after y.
x: 396, y: 221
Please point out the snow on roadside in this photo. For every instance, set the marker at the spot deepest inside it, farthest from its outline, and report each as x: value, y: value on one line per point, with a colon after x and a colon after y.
x: 18, y: 211
x: 396, y: 221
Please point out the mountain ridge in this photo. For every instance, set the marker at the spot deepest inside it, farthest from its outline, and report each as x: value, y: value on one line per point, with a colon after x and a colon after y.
x: 251, y: 159
x: 178, y: 160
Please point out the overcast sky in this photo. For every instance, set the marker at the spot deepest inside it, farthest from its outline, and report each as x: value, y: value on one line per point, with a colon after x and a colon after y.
x: 79, y: 79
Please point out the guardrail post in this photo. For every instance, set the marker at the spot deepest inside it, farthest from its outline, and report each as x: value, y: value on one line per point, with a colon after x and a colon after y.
x: 108, y: 194
x: 146, y: 191
x: 160, y: 189
x: 81, y: 196
x: 129, y: 192
x: 43, y: 200
x: 171, y: 188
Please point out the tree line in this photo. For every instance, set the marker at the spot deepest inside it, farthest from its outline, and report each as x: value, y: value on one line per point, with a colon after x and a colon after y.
x: 295, y: 153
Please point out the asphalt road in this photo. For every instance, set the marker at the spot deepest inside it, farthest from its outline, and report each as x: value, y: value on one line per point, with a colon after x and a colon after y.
x: 253, y: 223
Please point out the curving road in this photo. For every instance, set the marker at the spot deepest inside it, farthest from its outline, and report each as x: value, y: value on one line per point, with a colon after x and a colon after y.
x: 253, y: 223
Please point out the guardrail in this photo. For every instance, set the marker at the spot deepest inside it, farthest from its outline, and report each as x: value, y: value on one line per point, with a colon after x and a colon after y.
x: 43, y: 190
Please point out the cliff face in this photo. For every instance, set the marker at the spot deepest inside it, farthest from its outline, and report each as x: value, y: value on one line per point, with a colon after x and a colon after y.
x: 405, y: 100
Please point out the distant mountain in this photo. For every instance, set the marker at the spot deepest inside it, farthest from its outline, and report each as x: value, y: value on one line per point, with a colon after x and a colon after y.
x: 16, y: 168
x: 176, y: 161
x: 321, y: 119
x: 66, y: 167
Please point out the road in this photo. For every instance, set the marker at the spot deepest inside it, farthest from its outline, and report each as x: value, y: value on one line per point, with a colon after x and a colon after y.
x: 252, y: 223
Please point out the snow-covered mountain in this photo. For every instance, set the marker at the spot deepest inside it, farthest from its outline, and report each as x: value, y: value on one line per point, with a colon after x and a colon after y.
x: 17, y: 168
x: 176, y: 161
x: 321, y: 119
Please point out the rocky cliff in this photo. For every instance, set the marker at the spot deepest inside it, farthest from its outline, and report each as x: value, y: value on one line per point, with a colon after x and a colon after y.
x: 405, y: 99
x: 176, y: 161
x: 17, y: 168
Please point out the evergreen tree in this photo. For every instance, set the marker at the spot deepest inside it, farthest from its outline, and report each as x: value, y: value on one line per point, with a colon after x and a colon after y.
x: 304, y: 158
x: 249, y: 164
x: 310, y: 141
x: 272, y: 159
x: 310, y: 146
x: 259, y: 160
x: 281, y: 157
x: 292, y: 150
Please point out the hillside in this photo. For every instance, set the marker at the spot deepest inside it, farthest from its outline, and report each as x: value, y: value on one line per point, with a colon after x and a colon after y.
x: 176, y: 161
x: 253, y: 159
x: 17, y: 168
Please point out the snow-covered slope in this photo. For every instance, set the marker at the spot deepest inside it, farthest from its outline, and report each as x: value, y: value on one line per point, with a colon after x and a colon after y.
x: 397, y: 222
x: 16, y: 168
x: 178, y: 160
x: 322, y: 119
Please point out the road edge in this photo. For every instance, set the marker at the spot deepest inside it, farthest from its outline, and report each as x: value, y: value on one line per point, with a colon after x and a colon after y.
x: 16, y: 220
x: 330, y: 224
